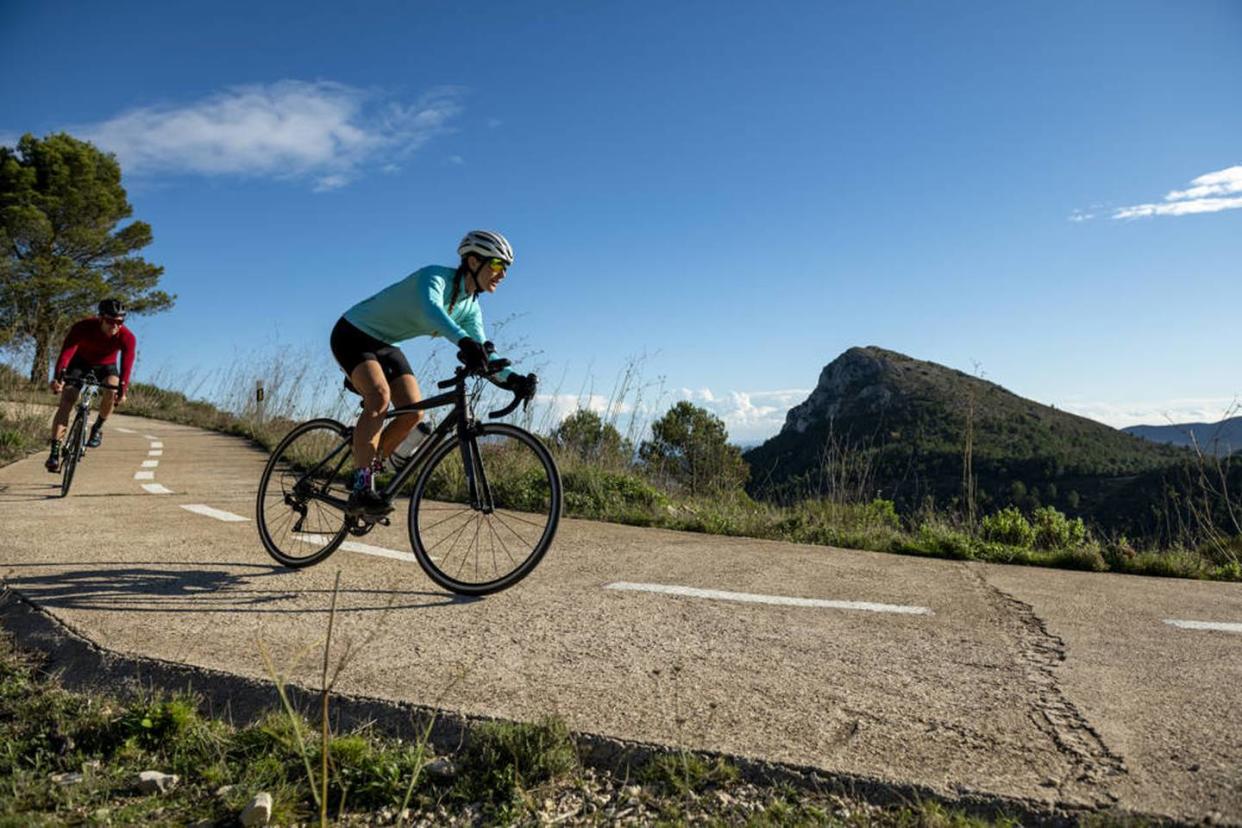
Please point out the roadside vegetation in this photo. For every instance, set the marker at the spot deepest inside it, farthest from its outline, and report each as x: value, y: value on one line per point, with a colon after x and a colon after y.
x: 687, y: 476
x: 75, y: 758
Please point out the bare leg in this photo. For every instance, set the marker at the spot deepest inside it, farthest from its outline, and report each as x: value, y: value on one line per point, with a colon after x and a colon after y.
x: 68, y: 396
x: 404, y: 392
x: 107, y: 399
x: 369, y: 379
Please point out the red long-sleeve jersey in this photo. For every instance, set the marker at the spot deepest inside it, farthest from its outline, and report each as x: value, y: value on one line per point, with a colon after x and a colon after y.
x: 87, y: 340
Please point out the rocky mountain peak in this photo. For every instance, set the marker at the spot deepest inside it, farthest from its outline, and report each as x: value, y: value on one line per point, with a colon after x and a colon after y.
x: 859, y: 379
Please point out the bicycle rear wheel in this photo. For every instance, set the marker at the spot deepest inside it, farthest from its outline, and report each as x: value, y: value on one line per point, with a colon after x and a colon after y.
x: 477, y: 551
x: 71, y: 452
x: 300, y: 510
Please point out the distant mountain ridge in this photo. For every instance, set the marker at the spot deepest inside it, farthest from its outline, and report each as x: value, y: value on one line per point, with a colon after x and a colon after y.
x: 908, y: 420
x: 1220, y: 438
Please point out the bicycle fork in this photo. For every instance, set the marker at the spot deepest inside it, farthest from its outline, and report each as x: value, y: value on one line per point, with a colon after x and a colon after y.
x: 476, y: 479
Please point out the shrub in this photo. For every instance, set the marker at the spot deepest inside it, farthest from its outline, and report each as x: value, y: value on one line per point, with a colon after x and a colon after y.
x: 503, y: 758
x: 590, y: 492
x: 1055, y: 531
x: 939, y: 539
x: 1009, y: 526
x: 685, y: 774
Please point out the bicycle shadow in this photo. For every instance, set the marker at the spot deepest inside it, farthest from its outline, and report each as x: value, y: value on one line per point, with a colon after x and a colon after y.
x: 143, y: 588
x: 29, y: 492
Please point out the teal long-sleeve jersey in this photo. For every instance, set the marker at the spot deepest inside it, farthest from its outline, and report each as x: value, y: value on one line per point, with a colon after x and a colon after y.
x: 418, y: 306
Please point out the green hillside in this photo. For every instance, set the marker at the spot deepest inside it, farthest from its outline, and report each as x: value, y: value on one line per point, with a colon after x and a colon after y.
x: 896, y: 426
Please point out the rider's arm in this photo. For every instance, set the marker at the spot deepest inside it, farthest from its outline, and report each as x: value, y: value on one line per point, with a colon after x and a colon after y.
x: 129, y: 348
x: 473, y: 323
x: 72, y: 340
x: 431, y: 301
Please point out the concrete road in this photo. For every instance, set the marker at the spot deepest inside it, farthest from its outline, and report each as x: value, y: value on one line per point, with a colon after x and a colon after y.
x: 1043, y: 684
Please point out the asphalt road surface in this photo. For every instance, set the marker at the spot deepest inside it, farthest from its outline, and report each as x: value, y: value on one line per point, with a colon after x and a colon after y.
x: 1083, y: 689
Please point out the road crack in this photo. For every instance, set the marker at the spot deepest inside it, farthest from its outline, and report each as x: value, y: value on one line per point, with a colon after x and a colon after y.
x: 1091, y: 763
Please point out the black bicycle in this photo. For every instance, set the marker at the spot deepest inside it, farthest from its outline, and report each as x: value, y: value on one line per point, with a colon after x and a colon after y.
x: 73, y: 448
x: 484, y: 507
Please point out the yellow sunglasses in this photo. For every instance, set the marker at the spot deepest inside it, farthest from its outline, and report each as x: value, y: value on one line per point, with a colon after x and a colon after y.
x: 497, y: 265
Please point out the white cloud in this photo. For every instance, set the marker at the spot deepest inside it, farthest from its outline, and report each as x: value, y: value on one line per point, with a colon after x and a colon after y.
x: 327, y: 132
x: 1209, y: 193
x: 1160, y: 412
x: 749, y: 415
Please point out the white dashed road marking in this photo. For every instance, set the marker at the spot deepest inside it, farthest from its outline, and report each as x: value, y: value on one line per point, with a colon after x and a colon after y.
x: 126, y: 430
x: 364, y: 548
x: 155, y: 453
x: 150, y: 464
x: 218, y: 514
x: 144, y: 475
x: 1222, y: 626
x: 156, y: 488
x: 692, y: 592
x: 157, y: 444
x: 150, y: 436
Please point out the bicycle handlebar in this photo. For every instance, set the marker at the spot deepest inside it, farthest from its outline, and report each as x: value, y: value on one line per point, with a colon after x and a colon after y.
x: 88, y: 380
x: 494, y: 367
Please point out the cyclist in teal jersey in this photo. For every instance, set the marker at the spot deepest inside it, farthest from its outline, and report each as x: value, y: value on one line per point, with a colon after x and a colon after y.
x: 431, y: 301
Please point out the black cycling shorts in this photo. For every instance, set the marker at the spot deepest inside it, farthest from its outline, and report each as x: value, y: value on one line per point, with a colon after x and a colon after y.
x: 79, y: 368
x: 352, y: 347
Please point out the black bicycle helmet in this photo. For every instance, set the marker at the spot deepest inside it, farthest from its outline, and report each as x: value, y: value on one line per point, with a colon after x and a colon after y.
x: 112, y: 307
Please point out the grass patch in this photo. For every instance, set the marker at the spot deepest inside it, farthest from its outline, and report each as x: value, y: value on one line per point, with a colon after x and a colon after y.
x: 508, y: 773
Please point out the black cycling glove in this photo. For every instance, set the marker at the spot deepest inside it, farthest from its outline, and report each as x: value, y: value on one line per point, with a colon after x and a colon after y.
x: 473, y: 354
x: 524, y: 385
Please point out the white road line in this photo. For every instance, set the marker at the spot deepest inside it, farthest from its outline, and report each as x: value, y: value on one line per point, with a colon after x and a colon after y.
x: 150, y: 436
x: 716, y: 594
x: 126, y: 430
x: 144, y: 475
x: 364, y: 548
x: 157, y: 444
x: 155, y: 453
x: 150, y: 464
x: 1223, y: 626
x: 156, y: 488
x: 218, y: 514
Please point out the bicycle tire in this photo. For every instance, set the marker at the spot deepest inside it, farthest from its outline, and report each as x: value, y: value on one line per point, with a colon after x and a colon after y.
x: 519, y: 500
x: 71, y: 452
x: 303, y: 449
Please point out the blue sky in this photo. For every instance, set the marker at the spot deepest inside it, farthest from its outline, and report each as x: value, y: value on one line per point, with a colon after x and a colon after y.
x: 733, y: 193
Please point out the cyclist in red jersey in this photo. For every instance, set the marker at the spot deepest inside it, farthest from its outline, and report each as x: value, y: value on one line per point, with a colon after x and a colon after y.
x: 91, y: 347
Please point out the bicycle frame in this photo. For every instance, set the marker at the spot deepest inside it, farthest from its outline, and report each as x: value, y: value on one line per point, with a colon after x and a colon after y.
x: 87, y: 393
x: 460, y: 420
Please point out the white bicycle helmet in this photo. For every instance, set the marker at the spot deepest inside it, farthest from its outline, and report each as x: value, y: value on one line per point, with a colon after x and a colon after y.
x: 487, y: 244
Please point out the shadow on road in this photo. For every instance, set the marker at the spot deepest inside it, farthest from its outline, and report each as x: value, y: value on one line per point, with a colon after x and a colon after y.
x: 29, y: 492
x: 143, y: 588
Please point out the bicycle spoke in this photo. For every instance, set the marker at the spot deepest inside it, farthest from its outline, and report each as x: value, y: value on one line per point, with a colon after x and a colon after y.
x: 459, y: 512
x: 496, y: 537
x: 306, y: 463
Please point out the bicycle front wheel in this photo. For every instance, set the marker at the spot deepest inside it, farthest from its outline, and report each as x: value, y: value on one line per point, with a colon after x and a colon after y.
x: 481, y: 541
x: 300, y: 509
x: 71, y: 452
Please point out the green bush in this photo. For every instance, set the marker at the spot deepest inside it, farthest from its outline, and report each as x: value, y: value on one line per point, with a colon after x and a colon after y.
x: 940, y: 540
x: 504, y: 758
x: 591, y: 492
x: 1009, y: 526
x: 686, y: 774
x: 1054, y: 530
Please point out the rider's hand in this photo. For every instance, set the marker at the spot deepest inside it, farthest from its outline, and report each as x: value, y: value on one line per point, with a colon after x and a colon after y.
x: 57, y: 386
x: 472, y: 354
x: 524, y: 385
